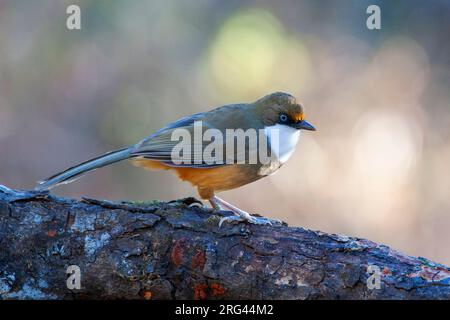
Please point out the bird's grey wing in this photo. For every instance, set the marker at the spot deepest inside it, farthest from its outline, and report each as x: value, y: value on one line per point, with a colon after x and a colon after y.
x: 159, y: 146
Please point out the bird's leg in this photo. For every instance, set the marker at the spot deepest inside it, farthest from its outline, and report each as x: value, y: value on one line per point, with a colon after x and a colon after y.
x: 240, y: 215
x: 216, y: 205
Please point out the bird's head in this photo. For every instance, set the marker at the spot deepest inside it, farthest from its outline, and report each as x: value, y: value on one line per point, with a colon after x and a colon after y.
x: 281, y: 109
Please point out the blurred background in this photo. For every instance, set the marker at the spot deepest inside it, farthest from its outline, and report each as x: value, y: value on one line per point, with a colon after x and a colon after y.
x: 378, y: 167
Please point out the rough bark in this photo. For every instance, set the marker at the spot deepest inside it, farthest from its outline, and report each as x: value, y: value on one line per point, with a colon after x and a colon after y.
x: 175, y: 250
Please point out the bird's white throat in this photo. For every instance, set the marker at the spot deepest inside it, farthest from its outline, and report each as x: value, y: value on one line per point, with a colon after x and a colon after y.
x: 284, y: 142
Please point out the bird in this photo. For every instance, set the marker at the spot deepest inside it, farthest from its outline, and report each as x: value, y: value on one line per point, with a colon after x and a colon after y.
x: 276, y: 112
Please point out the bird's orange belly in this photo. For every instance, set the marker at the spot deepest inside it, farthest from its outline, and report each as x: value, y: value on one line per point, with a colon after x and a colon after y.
x: 209, y: 179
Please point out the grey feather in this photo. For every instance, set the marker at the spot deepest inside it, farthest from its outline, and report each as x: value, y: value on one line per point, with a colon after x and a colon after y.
x: 77, y: 171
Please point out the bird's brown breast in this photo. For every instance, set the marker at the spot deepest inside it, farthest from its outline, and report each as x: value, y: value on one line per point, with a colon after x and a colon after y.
x: 208, y: 180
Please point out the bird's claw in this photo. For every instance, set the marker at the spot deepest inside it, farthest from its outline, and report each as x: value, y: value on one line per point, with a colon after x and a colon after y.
x: 264, y: 221
x: 251, y: 219
x: 230, y: 219
x: 196, y: 205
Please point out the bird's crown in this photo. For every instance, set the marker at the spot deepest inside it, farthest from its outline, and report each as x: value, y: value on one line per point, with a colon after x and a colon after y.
x: 272, y: 105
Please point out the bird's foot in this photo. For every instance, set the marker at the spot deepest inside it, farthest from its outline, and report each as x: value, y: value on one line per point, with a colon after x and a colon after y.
x: 250, y: 219
x: 240, y: 215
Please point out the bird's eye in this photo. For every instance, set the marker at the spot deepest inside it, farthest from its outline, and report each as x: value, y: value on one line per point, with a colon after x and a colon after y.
x: 283, y: 117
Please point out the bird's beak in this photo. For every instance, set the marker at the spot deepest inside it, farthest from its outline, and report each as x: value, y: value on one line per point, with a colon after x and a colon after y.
x: 304, y: 125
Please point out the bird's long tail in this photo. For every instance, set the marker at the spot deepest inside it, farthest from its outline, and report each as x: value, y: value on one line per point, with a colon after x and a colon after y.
x: 77, y: 171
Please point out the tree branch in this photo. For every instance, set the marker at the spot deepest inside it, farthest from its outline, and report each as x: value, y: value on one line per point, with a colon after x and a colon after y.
x: 172, y: 250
